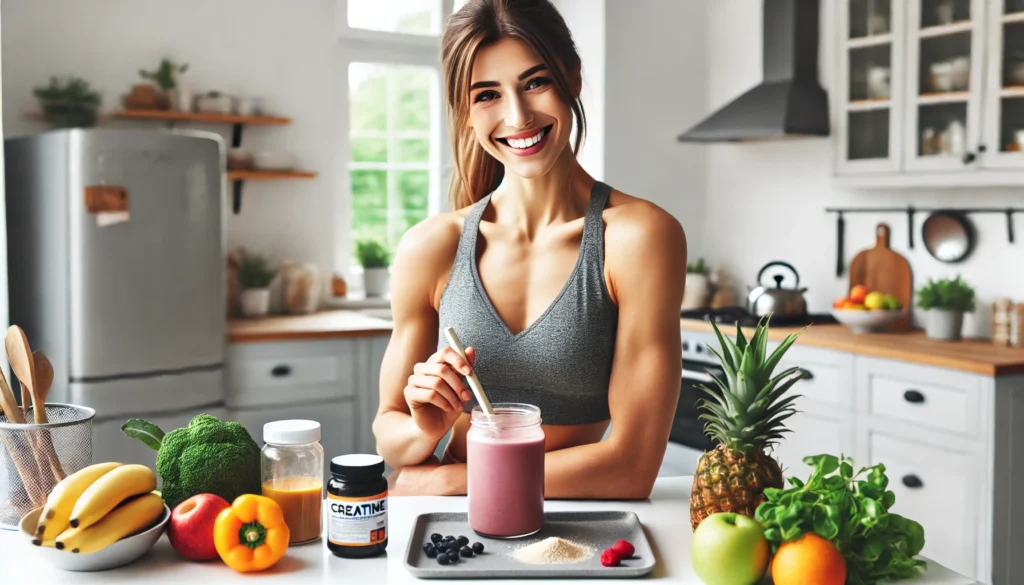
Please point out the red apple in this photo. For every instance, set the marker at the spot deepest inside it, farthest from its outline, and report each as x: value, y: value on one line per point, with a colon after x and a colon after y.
x: 190, y: 529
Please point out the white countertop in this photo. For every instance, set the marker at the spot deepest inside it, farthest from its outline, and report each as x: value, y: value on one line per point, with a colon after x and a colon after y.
x: 665, y: 516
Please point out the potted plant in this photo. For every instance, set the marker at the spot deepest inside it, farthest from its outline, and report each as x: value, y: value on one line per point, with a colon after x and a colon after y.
x: 945, y: 301
x: 166, y: 78
x: 375, y: 259
x: 255, y: 275
x: 698, y: 286
x: 69, y: 104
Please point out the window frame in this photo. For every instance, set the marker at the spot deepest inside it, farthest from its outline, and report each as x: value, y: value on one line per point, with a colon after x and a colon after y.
x: 370, y: 46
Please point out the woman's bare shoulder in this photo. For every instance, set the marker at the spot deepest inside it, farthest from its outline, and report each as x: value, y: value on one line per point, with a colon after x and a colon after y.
x: 632, y: 220
x: 425, y: 255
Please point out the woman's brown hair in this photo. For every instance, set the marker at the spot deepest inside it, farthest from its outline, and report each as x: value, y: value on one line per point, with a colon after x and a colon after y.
x: 476, y: 25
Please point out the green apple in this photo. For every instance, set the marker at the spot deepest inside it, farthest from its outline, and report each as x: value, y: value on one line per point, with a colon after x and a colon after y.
x: 729, y: 549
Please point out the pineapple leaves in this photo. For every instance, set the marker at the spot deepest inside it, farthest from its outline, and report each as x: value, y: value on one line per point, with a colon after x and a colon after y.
x: 852, y: 511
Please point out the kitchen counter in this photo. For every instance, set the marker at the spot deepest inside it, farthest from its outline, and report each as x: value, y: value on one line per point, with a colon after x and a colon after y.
x: 665, y: 516
x: 979, y: 356
x: 332, y: 324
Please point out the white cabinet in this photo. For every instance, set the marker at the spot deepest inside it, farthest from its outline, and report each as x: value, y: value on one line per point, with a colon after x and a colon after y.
x: 811, y: 433
x: 930, y: 92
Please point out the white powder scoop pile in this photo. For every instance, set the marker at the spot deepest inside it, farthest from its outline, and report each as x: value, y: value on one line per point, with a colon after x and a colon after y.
x: 552, y: 550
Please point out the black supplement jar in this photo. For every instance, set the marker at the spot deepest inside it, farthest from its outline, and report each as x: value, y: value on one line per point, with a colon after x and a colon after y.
x: 357, y: 501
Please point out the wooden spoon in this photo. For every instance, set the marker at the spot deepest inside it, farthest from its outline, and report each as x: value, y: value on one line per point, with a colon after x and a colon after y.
x: 44, y: 375
x: 7, y: 402
x: 20, y: 355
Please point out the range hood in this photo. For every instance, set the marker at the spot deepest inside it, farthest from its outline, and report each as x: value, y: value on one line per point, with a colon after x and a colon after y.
x: 789, y: 101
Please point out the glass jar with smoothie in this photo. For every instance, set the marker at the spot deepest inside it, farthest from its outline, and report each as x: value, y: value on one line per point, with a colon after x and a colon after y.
x: 292, y: 463
x: 505, y: 471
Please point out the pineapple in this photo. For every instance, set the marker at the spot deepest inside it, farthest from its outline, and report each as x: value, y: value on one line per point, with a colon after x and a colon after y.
x: 744, y: 417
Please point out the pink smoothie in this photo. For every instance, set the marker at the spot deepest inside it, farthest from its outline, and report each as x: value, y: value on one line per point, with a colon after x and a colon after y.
x: 506, y: 481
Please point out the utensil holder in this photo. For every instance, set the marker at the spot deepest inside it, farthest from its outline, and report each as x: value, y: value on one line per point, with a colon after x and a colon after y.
x: 34, y: 457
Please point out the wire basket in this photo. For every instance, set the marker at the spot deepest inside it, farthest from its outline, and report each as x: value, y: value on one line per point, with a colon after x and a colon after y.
x: 34, y: 458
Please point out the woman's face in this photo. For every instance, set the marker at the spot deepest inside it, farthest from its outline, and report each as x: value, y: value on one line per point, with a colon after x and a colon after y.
x: 515, y: 109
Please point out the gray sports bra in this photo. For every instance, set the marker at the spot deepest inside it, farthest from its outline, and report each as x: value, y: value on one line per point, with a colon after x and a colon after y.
x: 562, y: 361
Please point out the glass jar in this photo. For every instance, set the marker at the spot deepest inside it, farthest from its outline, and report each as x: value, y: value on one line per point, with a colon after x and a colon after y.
x: 505, y: 471
x: 292, y: 464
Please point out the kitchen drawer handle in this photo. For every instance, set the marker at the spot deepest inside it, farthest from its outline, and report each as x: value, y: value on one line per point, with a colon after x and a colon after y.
x: 913, y: 396
x: 912, y: 481
x: 280, y: 371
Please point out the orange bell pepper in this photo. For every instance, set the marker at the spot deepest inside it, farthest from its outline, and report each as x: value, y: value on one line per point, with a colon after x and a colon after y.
x: 251, y: 535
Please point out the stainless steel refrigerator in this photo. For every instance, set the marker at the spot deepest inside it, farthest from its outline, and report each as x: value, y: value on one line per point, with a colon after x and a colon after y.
x: 116, y: 244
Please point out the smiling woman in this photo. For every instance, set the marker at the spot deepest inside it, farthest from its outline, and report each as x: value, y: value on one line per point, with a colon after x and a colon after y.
x: 566, y: 291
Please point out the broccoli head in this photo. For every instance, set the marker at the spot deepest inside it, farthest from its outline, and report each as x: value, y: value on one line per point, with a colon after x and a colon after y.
x: 208, y: 456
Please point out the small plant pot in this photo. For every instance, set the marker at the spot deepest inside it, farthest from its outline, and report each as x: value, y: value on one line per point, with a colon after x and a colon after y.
x: 944, y: 325
x: 183, y: 99
x: 255, y: 302
x: 696, y: 293
x: 376, y: 281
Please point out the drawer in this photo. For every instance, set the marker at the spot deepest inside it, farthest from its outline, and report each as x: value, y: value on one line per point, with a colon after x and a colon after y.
x: 948, y: 409
x: 937, y: 487
x: 290, y: 372
x: 936, y: 398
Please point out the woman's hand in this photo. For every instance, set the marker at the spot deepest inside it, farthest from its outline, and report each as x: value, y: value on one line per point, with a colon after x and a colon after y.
x: 429, y: 479
x: 435, y: 392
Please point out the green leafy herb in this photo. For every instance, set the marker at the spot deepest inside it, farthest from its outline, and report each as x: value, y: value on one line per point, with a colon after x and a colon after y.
x: 145, y: 431
x: 948, y: 294
x: 372, y: 254
x: 851, y: 510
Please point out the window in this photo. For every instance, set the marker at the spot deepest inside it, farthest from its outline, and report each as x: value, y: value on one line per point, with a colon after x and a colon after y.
x: 396, y: 146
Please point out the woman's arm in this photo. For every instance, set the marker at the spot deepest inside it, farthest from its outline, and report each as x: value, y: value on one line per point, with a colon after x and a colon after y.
x: 648, y: 271
x: 425, y: 253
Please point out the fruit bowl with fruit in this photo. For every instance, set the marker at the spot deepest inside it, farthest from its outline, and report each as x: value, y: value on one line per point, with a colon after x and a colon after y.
x: 865, y: 311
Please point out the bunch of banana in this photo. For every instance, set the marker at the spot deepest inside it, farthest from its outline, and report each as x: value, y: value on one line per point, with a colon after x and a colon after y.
x: 95, y: 507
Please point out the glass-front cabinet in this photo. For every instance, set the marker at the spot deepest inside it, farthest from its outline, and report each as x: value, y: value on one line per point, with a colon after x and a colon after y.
x: 871, y: 59
x: 930, y: 86
x: 1004, y: 88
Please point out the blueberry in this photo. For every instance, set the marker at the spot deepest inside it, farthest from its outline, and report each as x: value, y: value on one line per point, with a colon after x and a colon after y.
x: 443, y: 559
x: 463, y: 541
x: 466, y: 552
x: 453, y: 546
x: 453, y: 557
x: 435, y: 538
x: 478, y: 547
x: 449, y: 537
x: 428, y: 547
x: 432, y: 553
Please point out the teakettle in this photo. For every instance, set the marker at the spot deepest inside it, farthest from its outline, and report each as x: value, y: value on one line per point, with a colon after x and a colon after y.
x: 781, y: 302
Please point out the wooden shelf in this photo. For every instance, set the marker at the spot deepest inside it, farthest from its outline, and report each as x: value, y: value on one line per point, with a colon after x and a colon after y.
x: 947, y: 97
x: 946, y: 29
x: 211, y: 118
x: 867, y: 105
x: 1013, y: 17
x: 873, y: 41
x: 1013, y: 91
x: 269, y: 175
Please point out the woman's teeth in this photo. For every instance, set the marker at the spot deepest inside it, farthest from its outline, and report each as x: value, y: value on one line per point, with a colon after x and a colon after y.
x: 522, y: 143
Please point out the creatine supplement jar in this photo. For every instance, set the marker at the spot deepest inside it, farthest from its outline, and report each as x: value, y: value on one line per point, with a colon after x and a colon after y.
x: 357, y: 501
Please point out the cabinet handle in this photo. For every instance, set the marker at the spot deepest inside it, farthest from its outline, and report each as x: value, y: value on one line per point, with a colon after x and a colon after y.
x: 982, y: 148
x: 280, y: 371
x: 969, y: 158
x: 913, y: 396
x: 912, y: 481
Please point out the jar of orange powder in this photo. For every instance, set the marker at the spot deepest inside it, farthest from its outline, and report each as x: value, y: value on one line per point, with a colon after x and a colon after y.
x: 292, y: 463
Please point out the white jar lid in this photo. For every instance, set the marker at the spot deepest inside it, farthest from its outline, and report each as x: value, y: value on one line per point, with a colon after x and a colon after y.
x: 291, y: 432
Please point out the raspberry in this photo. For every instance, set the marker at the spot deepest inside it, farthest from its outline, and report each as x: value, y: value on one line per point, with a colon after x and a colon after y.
x: 624, y: 548
x: 610, y: 558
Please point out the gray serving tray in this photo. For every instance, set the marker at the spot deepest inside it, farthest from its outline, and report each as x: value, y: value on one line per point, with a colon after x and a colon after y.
x: 598, y: 530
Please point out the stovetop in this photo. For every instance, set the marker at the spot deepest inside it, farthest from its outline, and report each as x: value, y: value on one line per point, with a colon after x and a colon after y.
x: 732, y: 315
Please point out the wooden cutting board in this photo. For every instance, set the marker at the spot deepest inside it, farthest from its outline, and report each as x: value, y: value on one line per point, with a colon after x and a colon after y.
x: 882, y: 269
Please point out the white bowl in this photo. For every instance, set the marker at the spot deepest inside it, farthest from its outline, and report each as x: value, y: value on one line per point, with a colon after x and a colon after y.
x: 866, y: 321
x: 120, y: 553
x: 273, y: 161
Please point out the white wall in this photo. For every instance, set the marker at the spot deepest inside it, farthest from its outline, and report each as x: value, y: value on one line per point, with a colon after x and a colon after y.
x: 283, y: 52
x: 657, y: 67
x: 586, y: 21
x: 766, y: 201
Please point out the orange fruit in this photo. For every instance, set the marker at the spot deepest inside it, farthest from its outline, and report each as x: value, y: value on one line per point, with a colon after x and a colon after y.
x: 808, y: 559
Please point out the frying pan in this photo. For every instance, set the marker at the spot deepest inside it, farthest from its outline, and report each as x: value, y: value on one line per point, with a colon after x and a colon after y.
x: 948, y: 236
